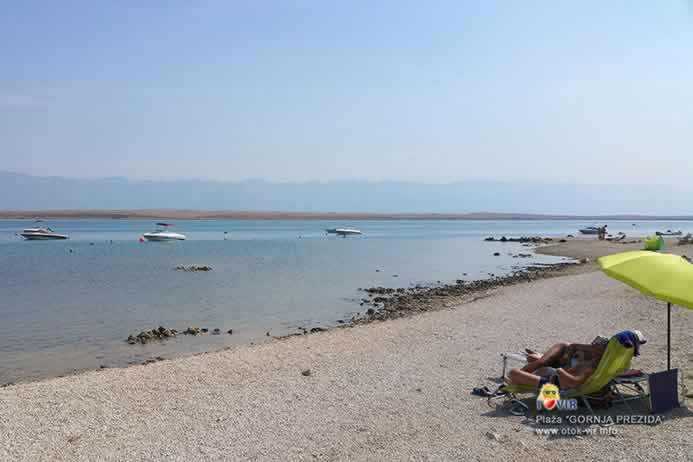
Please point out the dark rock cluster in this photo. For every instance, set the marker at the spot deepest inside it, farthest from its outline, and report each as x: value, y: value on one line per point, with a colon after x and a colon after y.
x: 147, y: 336
x: 163, y: 333
x: 389, y: 303
x: 523, y: 239
x: 193, y: 268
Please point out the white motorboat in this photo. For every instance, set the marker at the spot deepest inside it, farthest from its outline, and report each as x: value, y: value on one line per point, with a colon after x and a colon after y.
x: 344, y: 232
x: 42, y: 234
x: 589, y: 230
x: 163, y: 234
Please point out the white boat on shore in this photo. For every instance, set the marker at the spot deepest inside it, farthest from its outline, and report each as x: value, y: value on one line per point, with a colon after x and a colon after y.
x: 163, y: 234
x: 589, y: 230
x: 42, y: 234
x: 669, y: 233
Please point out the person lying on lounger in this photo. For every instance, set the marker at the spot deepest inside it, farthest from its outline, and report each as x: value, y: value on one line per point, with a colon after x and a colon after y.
x: 567, y: 365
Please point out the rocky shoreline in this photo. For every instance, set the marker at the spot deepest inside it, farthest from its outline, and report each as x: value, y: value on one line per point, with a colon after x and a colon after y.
x: 162, y: 333
x: 391, y: 303
x: 383, y: 303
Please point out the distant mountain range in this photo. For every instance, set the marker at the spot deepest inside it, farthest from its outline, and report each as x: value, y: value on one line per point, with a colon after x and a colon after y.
x: 26, y: 192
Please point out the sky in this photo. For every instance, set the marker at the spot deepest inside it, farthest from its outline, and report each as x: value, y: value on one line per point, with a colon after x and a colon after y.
x: 442, y: 91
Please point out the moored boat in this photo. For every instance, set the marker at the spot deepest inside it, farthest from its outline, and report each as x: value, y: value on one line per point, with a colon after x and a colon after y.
x: 344, y: 232
x: 163, y: 234
x: 589, y: 230
x: 42, y: 234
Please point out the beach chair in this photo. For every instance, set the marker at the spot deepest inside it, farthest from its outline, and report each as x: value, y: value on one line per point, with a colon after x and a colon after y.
x: 604, y: 381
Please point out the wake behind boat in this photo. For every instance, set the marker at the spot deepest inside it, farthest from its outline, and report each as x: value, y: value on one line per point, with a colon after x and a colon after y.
x: 163, y: 234
x: 42, y: 234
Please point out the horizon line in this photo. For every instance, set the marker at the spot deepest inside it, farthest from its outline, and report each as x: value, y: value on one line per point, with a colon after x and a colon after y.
x: 195, y: 214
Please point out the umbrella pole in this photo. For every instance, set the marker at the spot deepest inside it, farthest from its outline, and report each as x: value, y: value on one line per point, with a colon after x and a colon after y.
x: 668, y: 336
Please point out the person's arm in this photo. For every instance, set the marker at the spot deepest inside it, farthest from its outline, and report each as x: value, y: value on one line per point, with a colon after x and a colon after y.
x: 573, y: 378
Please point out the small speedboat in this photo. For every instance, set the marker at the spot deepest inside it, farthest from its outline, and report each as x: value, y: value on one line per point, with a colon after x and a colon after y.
x: 589, y: 230
x: 163, y: 234
x: 42, y: 234
x: 669, y: 233
x: 344, y: 232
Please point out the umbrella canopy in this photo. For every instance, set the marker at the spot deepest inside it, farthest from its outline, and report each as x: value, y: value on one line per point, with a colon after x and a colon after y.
x: 664, y: 276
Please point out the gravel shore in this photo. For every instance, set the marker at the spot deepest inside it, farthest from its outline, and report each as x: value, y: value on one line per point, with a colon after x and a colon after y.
x: 392, y: 390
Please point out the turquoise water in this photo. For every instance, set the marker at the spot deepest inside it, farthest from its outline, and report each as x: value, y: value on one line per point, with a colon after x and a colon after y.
x: 69, y: 305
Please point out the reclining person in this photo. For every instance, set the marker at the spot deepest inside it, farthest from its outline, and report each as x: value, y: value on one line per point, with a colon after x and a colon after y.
x: 567, y: 365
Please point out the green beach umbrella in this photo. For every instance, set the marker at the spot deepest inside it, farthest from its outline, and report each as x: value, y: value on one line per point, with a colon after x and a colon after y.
x: 664, y: 276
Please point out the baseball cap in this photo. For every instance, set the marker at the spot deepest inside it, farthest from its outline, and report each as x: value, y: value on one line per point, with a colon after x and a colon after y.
x: 641, y: 337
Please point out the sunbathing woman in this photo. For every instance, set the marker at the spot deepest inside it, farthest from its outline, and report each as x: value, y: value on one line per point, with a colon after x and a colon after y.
x: 567, y: 365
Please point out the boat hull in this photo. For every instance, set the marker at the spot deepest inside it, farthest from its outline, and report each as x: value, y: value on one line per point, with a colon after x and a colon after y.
x: 588, y: 231
x: 162, y: 237
x: 43, y: 237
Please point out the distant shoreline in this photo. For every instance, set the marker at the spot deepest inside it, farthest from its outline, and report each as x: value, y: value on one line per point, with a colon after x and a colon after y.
x: 124, y: 214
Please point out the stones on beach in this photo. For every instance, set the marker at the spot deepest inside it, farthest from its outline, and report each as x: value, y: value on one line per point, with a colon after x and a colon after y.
x: 230, y: 331
x: 523, y: 239
x: 496, y: 437
x: 306, y: 373
x: 496, y: 254
x: 216, y: 331
x: 193, y: 268
x: 317, y: 329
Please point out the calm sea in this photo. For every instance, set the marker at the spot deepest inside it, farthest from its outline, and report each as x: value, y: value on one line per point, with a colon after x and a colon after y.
x: 69, y: 305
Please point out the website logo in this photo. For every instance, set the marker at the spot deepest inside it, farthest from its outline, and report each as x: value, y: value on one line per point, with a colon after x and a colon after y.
x: 550, y: 398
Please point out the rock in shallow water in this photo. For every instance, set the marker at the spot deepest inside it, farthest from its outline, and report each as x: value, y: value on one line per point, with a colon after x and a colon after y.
x: 146, y: 336
x: 193, y: 268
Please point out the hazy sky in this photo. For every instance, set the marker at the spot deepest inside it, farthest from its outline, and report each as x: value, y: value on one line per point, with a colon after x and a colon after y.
x: 586, y: 92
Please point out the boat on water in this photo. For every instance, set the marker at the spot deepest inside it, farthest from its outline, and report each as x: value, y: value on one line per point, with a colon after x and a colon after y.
x: 42, y: 234
x: 344, y: 232
x: 163, y: 234
x: 669, y: 233
x: 589, y: 230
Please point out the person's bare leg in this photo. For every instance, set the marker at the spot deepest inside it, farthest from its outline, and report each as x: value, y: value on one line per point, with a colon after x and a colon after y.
x: 551, y: 356
x: 531, y: 357
x: 521, y: 377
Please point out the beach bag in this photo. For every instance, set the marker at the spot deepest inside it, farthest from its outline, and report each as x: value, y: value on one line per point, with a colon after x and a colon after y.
x: 654, y: 244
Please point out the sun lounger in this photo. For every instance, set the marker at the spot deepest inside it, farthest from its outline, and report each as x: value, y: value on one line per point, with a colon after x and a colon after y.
x: 605, y: 381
